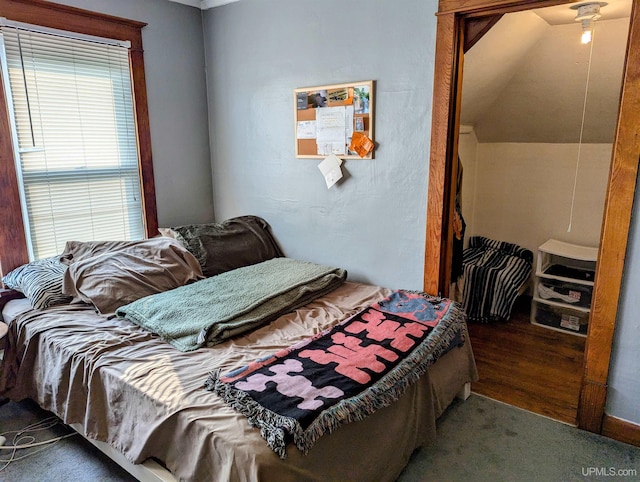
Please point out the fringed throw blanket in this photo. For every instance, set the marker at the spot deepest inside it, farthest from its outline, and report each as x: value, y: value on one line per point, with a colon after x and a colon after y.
x: 345, y: 373
x: 494, y: 272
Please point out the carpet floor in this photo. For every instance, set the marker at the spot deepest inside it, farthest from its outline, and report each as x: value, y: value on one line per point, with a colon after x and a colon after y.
x: 484, y: 440
x: 478, y: 440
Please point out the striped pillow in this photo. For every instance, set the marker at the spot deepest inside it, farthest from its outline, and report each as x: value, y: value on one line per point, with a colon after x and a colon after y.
x: 40, y: 281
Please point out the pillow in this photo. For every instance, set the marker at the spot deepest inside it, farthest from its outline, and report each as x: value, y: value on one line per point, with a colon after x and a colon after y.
x: 168, y: 232
x: 40, y: 281
x: 110, y: 274
x: 75, y: 251
x: 232, y: 244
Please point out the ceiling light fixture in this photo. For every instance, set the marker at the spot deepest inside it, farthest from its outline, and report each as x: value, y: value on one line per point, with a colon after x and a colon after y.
x: 588, y: 13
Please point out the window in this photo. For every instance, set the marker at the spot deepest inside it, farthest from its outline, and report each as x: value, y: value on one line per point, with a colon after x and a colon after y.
x: 74, y: 138
x: 15, y: 235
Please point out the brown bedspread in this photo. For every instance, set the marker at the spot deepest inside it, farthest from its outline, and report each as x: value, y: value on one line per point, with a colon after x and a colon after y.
x: 127, y: 387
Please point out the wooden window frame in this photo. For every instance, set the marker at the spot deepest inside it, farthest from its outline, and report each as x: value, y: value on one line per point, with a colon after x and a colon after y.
x: 621, y: 186
x: 13, y: 243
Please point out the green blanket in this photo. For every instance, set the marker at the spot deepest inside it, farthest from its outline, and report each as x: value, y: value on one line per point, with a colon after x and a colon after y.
x: 212, y: 310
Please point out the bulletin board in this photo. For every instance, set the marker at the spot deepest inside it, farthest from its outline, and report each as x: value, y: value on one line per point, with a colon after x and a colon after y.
x: 334, y: 119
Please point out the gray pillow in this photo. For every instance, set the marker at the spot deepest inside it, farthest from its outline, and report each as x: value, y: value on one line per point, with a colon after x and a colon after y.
x: 109, y: 274
x: 40, y: 281
x: 234, y: 243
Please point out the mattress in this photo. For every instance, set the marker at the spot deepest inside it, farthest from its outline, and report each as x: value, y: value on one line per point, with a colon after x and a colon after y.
x: 127, y: 387
x: 14, y: 308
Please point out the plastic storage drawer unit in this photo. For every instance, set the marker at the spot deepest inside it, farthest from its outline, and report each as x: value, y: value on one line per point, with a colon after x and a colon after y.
x: 562, y: 318
x: 573, y: 294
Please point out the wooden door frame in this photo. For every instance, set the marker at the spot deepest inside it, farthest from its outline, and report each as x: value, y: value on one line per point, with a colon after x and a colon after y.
x: 618, y: 202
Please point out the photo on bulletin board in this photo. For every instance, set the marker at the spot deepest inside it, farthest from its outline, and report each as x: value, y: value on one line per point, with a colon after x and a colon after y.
x: 334, y: 119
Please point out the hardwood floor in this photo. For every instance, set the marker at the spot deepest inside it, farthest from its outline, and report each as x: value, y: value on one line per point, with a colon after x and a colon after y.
x: 529, y: 366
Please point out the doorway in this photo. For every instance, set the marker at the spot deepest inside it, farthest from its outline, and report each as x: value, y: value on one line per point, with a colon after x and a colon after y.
x: 538, y: 116
x: 452, y: 18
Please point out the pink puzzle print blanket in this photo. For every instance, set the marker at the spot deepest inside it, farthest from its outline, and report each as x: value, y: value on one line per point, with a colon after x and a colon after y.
x: 344, y: 373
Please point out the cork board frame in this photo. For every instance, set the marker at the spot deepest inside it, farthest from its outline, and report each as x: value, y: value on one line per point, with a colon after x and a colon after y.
x: 354, y: 97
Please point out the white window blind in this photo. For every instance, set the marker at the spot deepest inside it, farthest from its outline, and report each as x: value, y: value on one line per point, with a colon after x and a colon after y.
x: 74, y: 135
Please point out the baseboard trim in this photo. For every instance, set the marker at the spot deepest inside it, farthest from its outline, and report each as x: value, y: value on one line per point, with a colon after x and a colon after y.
x: 591, y: 405
x: 621, y: 430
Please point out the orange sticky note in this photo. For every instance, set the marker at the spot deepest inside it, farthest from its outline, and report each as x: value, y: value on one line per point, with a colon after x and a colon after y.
x: 361, y: 144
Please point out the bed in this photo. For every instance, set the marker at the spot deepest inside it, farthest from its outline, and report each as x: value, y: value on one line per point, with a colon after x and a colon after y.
x: 143, y: 401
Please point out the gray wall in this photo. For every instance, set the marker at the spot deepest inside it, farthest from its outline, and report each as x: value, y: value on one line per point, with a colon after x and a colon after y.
x: 176, y: 90
x: 623, y: 394
x: 373, y: 223
x: 258, y: 52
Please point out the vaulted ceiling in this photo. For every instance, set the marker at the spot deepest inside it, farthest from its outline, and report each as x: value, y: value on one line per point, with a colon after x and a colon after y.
x: 526, y: 79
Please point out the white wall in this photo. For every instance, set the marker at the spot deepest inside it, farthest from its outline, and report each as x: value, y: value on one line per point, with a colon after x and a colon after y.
x: 524, y: 191
x: 468, y: 152
x: 176, y: 90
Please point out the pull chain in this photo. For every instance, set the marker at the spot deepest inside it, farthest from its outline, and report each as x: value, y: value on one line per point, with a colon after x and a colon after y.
x: 584, y: 109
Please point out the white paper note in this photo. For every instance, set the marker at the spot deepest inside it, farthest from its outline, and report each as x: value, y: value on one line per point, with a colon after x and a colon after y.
x: 324, y: 148
x: 348, y: 120
x: 331, y: 124
x: 306, y: 130
x: 327, y: 148
x: 330, y: 168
